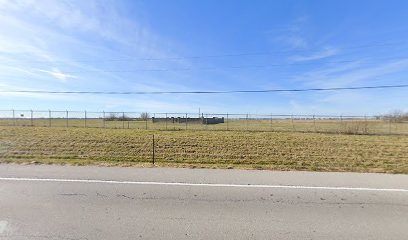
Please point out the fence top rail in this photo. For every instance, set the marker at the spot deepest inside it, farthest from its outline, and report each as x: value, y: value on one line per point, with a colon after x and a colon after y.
x: 230, y: 115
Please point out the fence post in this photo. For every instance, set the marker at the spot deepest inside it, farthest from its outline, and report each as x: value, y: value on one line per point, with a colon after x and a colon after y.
x: 186, y: 121
x: 246, y: 122
x: 67, y: 117
x: 389, y: 125
x: 14, y: 117
x: 146, y: 121
x: 32, y: 118
x: 103, y: 122
x: 153, y: 149
x: 49, y: 117
x: 227, y: 122
x: 85, y: 119
x: 293, y: 124
x: 166, y: 121
x: 123, y: 119
x: 271, y: 122
x: 314, y: 122
x: 365, y: 124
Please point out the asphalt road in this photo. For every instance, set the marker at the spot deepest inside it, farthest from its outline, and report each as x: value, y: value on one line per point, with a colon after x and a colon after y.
x: 60, y: 202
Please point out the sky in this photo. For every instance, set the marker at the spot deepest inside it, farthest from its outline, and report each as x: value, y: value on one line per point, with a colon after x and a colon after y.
x: 211, y: 45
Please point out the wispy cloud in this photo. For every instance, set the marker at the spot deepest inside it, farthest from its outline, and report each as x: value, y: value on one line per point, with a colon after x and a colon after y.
x: 353, y: 73
x: 56, y: 73
x: 328, y: 52
x: 292, y: 34
x: 295, y: 41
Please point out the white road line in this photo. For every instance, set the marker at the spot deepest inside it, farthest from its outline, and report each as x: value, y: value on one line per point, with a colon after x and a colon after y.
x: 202, y: 184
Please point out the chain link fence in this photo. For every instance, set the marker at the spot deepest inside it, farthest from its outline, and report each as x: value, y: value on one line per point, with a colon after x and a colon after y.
x: 205, y: 121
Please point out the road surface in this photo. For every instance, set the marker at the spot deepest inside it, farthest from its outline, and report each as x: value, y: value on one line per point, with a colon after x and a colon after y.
x: 61, y: 202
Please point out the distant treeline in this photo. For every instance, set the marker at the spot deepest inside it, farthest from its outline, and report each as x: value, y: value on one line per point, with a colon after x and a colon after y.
x: 124, y: 117
x: 396, y: 116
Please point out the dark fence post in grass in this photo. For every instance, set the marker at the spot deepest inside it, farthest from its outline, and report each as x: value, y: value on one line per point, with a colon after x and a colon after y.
x: 66, y: 117
x: 246, y: 121
x: 153, y: 149
x: 103, y: 121
x: 227, y: 122
x: 123, y: 119
x: 85, y: 119
x: 14, y: 117
x: 153, y: 125
x: 31, y: 118
x: 166, y: 121
x: 389, y: 125
x: 186, y: 121
x: 365, y: 124
x: 145, y: 122
x: 271, y: 122
x: 49, y: 118
x: 293, y: 124
x: 314, y: 122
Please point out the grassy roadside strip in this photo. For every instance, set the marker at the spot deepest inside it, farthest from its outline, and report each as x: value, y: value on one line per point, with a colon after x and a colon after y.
x: 209, y: 149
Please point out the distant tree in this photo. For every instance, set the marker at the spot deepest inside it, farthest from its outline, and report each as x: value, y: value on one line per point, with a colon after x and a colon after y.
x: 111, y: 117
x: 144, y: 115
x: 396, y: 116
x: 123, y: 117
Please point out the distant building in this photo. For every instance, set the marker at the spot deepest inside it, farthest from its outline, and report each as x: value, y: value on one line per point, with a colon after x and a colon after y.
x: 201, y: 120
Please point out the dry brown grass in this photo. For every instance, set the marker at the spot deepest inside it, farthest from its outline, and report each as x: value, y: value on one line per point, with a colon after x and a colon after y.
x: 212, y: 149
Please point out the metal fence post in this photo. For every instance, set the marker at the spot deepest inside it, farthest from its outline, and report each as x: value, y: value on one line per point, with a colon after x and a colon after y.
x: 271, y: 122
x: 227, y: 122
x: 32, y: 118
x: 49, y: 117
x: 186, y: 121
x: 14, y: 117
x: 123, y: 119
x: 246, y: 122
x: 293, y: 124
x: 103, y: 121
x: 153, y: 149
x: 146, y: 117
x: 314, y: 123
x: 67, y: 117
x: 389, y: 125
x: 166, y: 121
x: 365, y: 124
x: 85, y: 119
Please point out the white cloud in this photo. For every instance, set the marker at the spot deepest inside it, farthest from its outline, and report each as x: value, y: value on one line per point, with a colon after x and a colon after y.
x: 56, y: 73
x: 49, y: 36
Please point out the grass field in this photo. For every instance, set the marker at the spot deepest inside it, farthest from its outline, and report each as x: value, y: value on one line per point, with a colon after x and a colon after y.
x: 347, y: 126
x: 212, y: 149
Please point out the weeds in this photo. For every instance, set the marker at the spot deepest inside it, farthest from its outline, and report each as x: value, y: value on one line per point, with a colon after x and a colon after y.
x: 212, y: 149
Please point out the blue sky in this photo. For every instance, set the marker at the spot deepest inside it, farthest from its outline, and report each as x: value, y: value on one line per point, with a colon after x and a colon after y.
x: 186, y: 45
